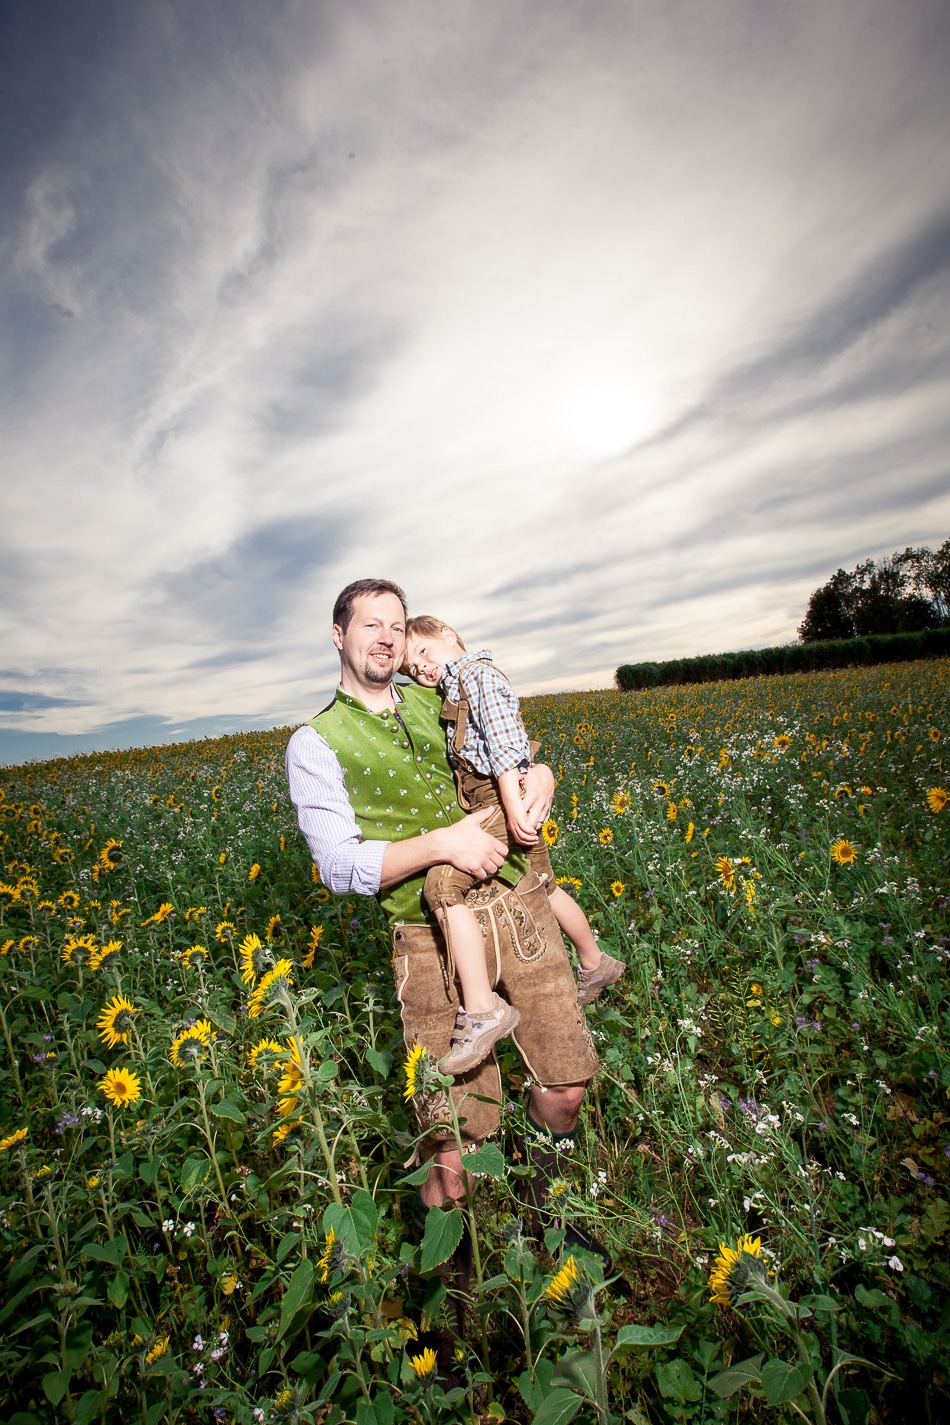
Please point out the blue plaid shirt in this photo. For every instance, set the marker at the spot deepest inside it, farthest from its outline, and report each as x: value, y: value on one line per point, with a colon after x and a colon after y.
x: 495, y: 737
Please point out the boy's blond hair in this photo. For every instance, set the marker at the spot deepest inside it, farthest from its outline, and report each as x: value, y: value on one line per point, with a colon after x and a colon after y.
x: 428, y: 626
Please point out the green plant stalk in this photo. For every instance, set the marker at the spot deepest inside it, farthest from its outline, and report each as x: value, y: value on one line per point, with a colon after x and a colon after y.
x: 318, y: 1120
x: 601, y: 1377
x: 209, y: 1137
x: 9, y: 1044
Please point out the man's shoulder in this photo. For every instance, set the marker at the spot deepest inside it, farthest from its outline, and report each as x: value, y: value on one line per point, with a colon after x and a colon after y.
x: 305, y: 739
x: 417, y: 696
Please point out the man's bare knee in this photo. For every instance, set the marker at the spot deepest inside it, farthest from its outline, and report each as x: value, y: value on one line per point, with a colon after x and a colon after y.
x: 557, y: 1107
x: 446, y: 1178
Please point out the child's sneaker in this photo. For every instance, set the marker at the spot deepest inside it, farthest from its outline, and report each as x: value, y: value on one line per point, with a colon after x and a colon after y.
x: 591, y: 983
x: 475, y: 1035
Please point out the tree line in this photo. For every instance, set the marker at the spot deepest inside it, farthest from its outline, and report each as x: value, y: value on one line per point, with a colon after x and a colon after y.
x: 904, y: 592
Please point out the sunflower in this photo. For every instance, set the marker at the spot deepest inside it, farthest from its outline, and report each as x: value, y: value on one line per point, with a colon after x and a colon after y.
x: 121, y: 1087
x: 69, y: 900
x: 117, y: 910
x: 291, y: 1080
x: 159, y: 1349
x: 736, y: 1269
x: 937, y: 799
x: 272, y: 988
x: 191, y: 1043
x: 662, y: 789
x: 12, y: 1139
x: 273, y: 925
x: 550, y: 832
x: 934, y: 735
x: 77, y: 949
x: 225, y: 930
x: 262, y: 1047
x: 419, y: 1071
x: 7, y: 945
x: 562, y: 1282
x: 782, y: 741
x: 157, y: 917
x: 115, y: 1021
x: 255, y: 959
x: 620, y: 803
x: 726, y: 872
x: 617, y: 889
x: 843, y: 791
x: 424, y: 1365
x: 193, y: 956
x: 671, y: 811
x: 283, y: 1130
x: 316, y: 935
x: 110, y: 855
x: 843, y: 853
x: 254, y: 872
x: 334, y: 1257
x: 98, y: 957
x: 690, y: 831
x: 605, y: 836
x: 569, y: 1292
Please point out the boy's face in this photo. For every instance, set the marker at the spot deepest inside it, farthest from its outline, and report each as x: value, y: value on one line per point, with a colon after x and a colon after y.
x: 426, y: 657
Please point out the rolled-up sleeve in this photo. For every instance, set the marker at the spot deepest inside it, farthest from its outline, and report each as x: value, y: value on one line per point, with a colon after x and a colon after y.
x: 345, y: 861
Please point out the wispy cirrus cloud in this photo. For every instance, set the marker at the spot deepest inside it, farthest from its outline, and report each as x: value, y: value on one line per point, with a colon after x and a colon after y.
x: 608, y: 330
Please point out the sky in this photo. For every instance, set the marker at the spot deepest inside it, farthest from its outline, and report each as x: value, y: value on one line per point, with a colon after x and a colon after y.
x: 607, y: 328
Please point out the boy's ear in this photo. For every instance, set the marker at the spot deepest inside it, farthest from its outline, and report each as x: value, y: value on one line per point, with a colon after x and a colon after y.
x: 450, y: 637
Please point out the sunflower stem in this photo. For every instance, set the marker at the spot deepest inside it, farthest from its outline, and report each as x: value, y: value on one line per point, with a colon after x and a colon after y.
x: 9, y: 1044
x: 210, y: 1139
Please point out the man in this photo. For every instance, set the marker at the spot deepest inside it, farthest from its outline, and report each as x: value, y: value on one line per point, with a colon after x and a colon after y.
x: 375, y: 798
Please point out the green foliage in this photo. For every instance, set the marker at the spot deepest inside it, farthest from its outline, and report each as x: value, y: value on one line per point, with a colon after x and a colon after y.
x: 786, y: 658
x: 775, y: 1063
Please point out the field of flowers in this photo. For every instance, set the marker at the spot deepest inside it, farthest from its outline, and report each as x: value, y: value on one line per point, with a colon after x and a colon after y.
x: 203, y: 1110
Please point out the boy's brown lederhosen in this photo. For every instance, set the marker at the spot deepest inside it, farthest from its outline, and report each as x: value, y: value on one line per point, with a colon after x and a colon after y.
x: 528, y: 963
x: 444, y: 885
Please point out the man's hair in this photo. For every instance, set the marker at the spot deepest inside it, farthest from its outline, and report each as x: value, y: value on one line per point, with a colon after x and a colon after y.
x: 428, y: 626
x: 343, y: 608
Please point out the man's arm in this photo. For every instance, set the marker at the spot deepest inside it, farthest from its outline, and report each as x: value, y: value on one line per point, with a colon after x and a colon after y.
x: 463, y: 845
x: 345, y: 861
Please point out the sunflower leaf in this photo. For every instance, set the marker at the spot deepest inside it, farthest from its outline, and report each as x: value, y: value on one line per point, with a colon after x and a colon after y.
x: 298, y: 1290
x: 442, y: 1235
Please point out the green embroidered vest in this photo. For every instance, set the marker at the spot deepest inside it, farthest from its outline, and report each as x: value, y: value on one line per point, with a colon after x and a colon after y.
x: 399, y: 781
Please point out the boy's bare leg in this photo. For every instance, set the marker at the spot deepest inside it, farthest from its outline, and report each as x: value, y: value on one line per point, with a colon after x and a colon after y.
x: 573, y: 922
x: 468, y: 951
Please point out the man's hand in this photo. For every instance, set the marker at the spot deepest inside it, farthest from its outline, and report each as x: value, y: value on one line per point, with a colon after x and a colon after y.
x: 470, y: 849
x: 539, y: 794
x: 463, y: 845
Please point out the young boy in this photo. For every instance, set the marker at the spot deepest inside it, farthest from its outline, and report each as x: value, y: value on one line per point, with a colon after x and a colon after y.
x: 490, y: 752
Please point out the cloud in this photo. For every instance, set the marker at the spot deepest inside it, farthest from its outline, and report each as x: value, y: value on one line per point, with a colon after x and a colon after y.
x: 610, y: 331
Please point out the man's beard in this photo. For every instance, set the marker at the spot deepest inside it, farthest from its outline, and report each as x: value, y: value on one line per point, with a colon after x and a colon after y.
x: 375, y: 674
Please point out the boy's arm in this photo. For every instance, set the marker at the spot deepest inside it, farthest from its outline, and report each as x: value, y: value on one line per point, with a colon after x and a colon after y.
x: 519, y: 823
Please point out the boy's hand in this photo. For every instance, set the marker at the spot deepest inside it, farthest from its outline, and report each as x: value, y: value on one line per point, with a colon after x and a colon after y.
x: 539, y: 793
x: 470, y: 849
x: 523, y: 831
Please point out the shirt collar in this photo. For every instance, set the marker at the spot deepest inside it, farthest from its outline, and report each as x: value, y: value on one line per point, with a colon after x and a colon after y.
x: 455, y: 665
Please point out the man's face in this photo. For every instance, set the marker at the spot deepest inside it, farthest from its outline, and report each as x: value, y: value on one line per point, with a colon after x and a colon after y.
x: 374, y: 644
x: 426, y: 657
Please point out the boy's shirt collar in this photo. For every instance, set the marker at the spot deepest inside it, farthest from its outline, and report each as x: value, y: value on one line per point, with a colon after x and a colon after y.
x: 450, y: 677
